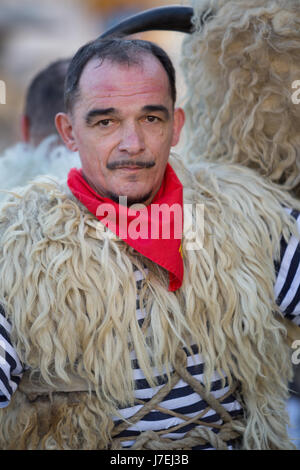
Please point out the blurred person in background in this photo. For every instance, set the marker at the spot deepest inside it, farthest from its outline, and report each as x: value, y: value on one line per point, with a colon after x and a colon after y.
x: 44, y: 99
x: 41, y: 150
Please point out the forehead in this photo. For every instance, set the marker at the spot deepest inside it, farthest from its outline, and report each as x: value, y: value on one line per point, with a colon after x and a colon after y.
x: 108, y: 80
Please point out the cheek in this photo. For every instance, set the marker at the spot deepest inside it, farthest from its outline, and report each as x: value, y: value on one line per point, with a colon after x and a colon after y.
x: 94, y: 152
x: 159, y: 142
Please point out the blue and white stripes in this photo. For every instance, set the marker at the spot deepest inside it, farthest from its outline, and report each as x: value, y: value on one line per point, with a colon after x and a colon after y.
x: 11, y: 369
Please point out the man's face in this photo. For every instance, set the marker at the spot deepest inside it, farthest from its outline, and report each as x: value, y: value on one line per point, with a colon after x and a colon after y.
x: 123, y: 124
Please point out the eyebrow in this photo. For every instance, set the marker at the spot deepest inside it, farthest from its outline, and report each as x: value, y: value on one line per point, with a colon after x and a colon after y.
x: 99, y: 112
x: 94, y: 113
x: 156, y: 107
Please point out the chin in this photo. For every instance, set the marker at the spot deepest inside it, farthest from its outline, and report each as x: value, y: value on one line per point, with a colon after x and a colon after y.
x: 138, y: 199
x: 131, y: 198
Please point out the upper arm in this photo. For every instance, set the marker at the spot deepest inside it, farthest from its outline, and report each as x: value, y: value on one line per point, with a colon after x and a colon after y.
x: 287, y: 285
x: 11, y: 369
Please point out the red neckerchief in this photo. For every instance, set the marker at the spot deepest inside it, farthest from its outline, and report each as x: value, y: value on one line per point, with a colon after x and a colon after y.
x: 164, y: 247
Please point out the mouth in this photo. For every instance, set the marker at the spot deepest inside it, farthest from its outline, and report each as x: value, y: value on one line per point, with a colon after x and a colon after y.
x: 130, y: 168
x: 130, y: 165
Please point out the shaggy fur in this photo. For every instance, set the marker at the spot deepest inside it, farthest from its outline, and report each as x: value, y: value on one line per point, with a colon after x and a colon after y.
x: 239, y: 70
x: 22, y: 163
x: 61, y: 278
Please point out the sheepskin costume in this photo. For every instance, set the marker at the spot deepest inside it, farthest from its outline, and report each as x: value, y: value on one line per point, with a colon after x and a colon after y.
x: 242, y: 68
x: 69, y: 292
x: 22, y: 163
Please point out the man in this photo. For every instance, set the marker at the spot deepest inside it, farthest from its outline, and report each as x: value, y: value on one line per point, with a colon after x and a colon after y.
x: 44, y: 99
x: 42, y: 151
x: 141, y: 341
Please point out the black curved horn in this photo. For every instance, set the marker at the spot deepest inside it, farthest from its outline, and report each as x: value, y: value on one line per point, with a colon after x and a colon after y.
x: 170, y: 18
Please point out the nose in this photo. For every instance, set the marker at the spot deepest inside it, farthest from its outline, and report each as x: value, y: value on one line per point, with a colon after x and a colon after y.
x: 132, y: 139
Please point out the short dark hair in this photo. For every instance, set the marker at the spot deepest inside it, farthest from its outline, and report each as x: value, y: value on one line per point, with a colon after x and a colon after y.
x: 118, y: 50
x: 45, y: 98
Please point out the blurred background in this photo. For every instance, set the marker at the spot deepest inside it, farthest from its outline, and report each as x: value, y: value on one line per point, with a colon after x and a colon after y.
x: 35, y: 33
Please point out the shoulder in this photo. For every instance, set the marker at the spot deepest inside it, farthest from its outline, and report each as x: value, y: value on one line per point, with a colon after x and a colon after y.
x: 233, y: 177
x: 244, y: 203
x: 45, y: 190
x: 38, y: 209
x: 234, y: 184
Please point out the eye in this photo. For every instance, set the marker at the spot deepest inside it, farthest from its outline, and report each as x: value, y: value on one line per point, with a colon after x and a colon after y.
x: 104, y: 122
x: 152, y: 118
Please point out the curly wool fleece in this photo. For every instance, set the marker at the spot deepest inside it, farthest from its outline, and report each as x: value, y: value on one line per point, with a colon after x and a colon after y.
x: 239, y: 68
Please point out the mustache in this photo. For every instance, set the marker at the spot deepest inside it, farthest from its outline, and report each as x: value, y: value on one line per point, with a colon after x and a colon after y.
x: 130, y: 163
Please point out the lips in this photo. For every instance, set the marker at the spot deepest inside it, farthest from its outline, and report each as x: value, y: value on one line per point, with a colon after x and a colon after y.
x: 127, y: 165
x: 130, y: 168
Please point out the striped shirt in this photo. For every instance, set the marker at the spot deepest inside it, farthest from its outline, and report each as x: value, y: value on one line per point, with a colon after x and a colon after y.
x: 11, y: 370
x: 182, y: 399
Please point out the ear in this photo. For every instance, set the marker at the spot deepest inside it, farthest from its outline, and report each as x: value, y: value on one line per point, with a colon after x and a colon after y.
x: 25, y: 128
x: 64, y: 127
x: 179, y: 120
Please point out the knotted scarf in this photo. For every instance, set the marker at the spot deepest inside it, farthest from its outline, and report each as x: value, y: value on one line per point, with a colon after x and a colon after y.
x: 156, y: 232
